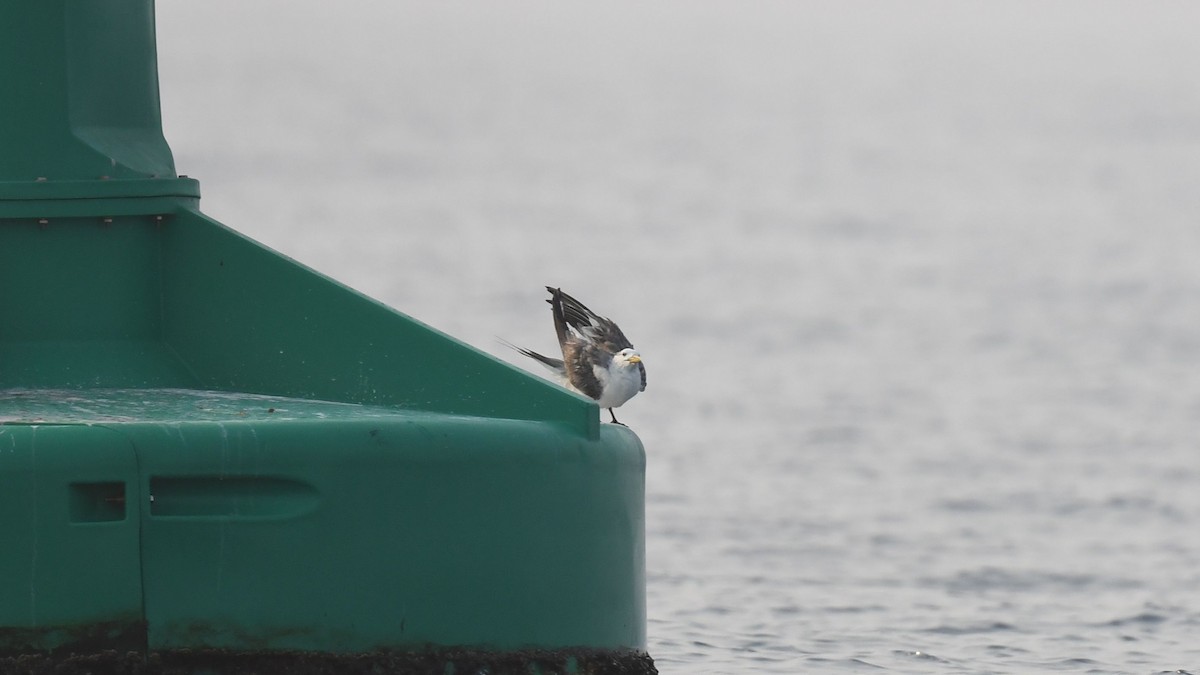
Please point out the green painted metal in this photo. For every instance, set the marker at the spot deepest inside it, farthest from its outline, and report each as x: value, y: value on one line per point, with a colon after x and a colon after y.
x: 262, y: 522
x: 69, y: 562
x: 205, y: 445
x: 81, y: 133
x: 182, y: 301
x: 417, y: 530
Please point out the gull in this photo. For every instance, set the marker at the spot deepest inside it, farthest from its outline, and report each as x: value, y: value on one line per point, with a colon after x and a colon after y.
x: 597, y: 361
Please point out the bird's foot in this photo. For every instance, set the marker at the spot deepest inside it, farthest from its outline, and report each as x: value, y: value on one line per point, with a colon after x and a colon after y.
x: 614, y: 418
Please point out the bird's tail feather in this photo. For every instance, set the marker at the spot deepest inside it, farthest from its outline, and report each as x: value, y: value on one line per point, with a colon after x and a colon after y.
x: 555, y: 365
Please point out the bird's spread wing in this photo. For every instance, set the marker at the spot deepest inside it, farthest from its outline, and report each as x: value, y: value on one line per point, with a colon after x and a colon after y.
x: 561, y: 328
x: 573, y: 314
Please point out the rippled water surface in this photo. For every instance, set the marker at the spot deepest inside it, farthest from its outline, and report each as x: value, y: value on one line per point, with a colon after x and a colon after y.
x: 916, y: 286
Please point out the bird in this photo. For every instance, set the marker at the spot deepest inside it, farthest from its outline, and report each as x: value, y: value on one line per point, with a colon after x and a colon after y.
x: 597, y: 361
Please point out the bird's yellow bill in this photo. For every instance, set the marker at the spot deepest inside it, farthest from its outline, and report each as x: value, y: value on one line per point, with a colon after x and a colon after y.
x: 635, y: 359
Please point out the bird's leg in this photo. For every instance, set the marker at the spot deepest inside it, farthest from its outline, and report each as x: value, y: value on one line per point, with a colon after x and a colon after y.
x: 614, y: 416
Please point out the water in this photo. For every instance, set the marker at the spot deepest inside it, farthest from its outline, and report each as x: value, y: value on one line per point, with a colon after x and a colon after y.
x: 915, y: 286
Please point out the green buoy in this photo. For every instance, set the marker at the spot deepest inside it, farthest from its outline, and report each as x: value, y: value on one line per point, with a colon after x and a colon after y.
x: 213, y: 459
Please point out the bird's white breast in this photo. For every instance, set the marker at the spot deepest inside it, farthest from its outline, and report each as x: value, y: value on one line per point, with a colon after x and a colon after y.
x: 617, y: 384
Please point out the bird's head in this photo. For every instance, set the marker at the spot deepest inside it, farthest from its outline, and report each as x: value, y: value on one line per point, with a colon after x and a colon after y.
x: 628, y: 357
